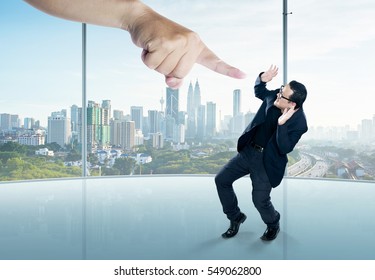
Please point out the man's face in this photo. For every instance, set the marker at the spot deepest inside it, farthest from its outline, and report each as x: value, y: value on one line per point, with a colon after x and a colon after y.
x: 283, y: 98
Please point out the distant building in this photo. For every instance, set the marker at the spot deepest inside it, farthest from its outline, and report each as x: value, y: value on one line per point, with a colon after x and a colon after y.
x: 138, y: 137
x: 28, y: 123
x: 118, y: 114
x: 356, y: 168
x: 350, y: 169
x: 44, y: 152
x: 211, y: 119
x: 31, y: 140
x: 238, y: 124
x: 179, y: 134
x: 102, y: 155
x: 4, y: 140
x: 143, y: 158
x: 157, y: 140
x: 124, y: 135
x: 179, y: 146
x: 137, y: 116
x: 75, y: 118
x: 170, y: 124
x: 98, y: 127
x: 366, y: 130
x: 154, y: 121
x: 8, y: 122
x: 201, y: 122
x: 59, y: 129
x: 236, y: 102
x: 116, y: 132
x: 193, y: 103
x: 172, y: 104
x: 129, y: 135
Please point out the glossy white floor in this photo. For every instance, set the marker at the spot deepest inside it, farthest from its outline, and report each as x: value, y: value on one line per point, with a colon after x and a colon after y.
x: 180, y: 217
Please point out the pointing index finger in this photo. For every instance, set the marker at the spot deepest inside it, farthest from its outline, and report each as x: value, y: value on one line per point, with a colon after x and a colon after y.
x: 210, y: 60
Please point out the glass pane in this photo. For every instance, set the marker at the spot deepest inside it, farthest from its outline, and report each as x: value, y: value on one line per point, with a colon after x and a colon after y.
x: 155, y: 130
x: 331, y: 51
x: 139, y: 126
x: 40, y: 89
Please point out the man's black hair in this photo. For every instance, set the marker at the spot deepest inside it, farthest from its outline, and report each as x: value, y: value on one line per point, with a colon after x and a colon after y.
x: 299, y: 93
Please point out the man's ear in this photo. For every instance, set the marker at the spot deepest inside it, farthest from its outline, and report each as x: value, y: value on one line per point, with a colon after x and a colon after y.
x: 293, y: 105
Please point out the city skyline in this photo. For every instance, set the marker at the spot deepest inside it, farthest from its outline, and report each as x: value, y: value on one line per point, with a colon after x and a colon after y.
x: 318, y: 131
x: 330, y: 51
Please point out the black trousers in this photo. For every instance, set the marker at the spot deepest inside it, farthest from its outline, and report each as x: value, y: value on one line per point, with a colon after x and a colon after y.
x: 248, y: 161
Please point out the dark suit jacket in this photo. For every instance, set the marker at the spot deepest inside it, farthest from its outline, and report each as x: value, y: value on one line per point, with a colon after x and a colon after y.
x: 283, y: 139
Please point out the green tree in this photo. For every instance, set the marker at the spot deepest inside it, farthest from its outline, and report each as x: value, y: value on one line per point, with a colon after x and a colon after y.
x: 52, y: 146
x: 110, y: 171
x: 5, y: 156
x: 13, y: 147
x: 93, y: 159
x: 73, y: 156
x: 124, y: 165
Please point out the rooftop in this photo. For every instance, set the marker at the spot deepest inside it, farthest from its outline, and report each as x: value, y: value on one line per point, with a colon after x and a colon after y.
x: 180, y: 217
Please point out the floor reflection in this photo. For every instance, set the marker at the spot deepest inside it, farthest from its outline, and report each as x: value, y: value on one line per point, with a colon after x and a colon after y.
x: 179, y: 217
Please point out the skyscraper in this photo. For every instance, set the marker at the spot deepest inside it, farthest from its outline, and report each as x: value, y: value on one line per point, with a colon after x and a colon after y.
x: 201, y: 122
x: 28, y: 123
x: 129, y: 135
x: 179, y: 134
x: 118, y: 114
x: 59, y: 129
x: 105, y: 119
x: 116, y: 133
x: 15, y: 120
x: 9, y: 121
x: 366, y: 130
x: 211, y: 119
x: 98, y: 127
x: 191, y: 113
x: 238, y: 117
x: 106, y: 112
x: 5, y: 122
x: 197, y: 95
x: 74, y: 117
x: 93, y: 125
x: 123, y: 134
x: 172, y: 103
x: 193, y: 103
x: 236, y: 102
x: 157, y: 140
x: 170, y: 123
x: 154, y: 121
x: 190, y: 100
x: 137, y: 116
x: 162, y: 104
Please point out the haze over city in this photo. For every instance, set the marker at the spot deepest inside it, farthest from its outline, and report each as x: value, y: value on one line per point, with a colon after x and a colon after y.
x: 330, y: 51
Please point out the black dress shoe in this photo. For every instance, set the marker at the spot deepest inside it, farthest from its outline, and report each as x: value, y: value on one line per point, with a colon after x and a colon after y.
x: 270, y: 233
x: 234, y: 226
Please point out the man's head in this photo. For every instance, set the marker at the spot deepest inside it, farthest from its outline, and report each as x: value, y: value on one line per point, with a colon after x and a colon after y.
x: 292, y: 95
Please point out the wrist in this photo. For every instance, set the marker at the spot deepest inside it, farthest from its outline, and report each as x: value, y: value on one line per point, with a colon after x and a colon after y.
x: 260, y: 77
x: 133, y: 11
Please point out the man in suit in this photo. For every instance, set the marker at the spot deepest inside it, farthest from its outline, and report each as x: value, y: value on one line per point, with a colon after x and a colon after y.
x: 262, y: 152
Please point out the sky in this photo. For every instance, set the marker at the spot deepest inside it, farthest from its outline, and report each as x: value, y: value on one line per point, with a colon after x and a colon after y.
x: 330, y: 49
